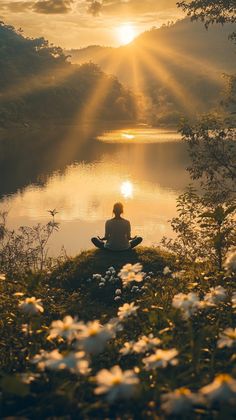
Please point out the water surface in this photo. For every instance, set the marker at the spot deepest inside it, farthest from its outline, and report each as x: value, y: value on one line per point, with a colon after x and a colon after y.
x: 142, y: 167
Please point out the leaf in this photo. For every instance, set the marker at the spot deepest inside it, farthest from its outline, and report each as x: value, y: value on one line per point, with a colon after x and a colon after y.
x: 230, y: 210
x: 207, y: 214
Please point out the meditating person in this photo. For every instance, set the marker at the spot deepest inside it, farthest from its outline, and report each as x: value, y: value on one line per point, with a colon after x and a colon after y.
x: 117, y: 233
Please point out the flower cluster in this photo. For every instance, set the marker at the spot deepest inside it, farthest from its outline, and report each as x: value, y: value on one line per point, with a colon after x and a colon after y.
x: 93, y: 336
x: 117, y: 384
x: 161, y: 359
x: 31, y: 306
x: 109, y: 278
x: 130, y: 273
x: 76, y: 346
x: 74, y: 361
x: 187, y: 303
x: 127, y: 310
x: 215, y: 296
x: 143, y: 345
x: 190, y: 304
x: 67, y: 328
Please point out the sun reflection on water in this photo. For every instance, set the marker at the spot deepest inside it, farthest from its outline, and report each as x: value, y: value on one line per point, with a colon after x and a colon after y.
x: 127, y: 136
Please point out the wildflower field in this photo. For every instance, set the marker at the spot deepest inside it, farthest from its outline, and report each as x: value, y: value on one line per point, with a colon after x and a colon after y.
x: 131, y: 337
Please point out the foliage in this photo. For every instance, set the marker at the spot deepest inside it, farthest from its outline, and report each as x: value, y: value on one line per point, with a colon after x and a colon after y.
x: 38, y: 83
x: 229, y: 100
x: 212, y: 151
x: 205, y: 225
x: 28, y: 391
x: 204, y: 231
x: 72, y: 273
x: 177, y: 77
x: 25, y: 251
x: 210, y: 11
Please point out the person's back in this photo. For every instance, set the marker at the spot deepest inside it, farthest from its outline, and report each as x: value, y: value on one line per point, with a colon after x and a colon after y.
x: 117, y: 233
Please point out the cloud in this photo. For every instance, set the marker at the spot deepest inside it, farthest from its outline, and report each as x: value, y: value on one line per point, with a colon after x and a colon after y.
x: 39, y: 6
x: 53, y: 6
x: 124, y: 7
x: 18, y: 6
x: 94, y: 7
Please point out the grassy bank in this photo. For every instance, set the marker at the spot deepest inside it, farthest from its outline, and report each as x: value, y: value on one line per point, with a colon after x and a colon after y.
x: 163, y: 344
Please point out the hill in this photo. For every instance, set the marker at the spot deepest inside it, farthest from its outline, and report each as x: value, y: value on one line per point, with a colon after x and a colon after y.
x: 170, y: 335
x: 37, y: 83
x: 179, y: 67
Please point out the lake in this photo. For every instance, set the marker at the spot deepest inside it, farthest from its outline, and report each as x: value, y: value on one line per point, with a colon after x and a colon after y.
x: 144, y: 168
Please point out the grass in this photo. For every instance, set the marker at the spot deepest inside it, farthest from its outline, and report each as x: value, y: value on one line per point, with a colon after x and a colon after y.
x: 72, y: 290
x: 73, y: 272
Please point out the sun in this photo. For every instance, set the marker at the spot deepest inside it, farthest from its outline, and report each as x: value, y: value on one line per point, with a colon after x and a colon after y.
x: 126, y: 33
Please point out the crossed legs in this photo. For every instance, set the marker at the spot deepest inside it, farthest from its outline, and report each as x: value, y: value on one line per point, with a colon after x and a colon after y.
x: 101, y: 244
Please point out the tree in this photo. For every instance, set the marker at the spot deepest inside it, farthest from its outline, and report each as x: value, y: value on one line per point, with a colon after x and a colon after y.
x: 205, y: 226
x: 212, y: 149
x: 211, y: 11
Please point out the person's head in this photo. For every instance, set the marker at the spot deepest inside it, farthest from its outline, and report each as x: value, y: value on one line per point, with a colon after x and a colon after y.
x: 118, y: 209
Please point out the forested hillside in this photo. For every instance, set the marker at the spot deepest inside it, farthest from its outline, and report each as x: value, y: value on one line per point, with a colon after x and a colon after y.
x: 180, y: 67
x: 38, y: 83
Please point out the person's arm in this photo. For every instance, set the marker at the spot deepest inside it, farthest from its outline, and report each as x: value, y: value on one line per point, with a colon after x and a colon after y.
x: 106, y: 236
x: 129, y: 233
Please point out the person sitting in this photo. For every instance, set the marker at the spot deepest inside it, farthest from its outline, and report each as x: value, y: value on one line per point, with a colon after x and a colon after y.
x: 117, y: 233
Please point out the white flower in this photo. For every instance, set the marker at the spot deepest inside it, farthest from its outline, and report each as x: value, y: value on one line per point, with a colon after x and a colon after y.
x: 126, y: 310
x: 222, y: 389
x: 76, y: 363
x: 113, y: 326
x: 66, y: 328
x: 93, y: 336
x: 146, y: 343
x: 188, y: 304
x: 97, y: 276
x: 2, y: 277
x: 215, y: 296
x: 166, y: 271
x: 28, y: 377
x: 54, y: 360
x: 117, y: 384
x: 179, y: 402
x: 233, y: 300
x: 128, y: 348
x: 118, y: 292
x: 130, y: 273
x: 161, y: 358
x: 227, y: 338
x: 31, y: 306
x: 46, y: 359
x: 230, y: 263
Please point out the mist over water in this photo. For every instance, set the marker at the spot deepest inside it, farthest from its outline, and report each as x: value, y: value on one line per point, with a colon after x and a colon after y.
x: 142, y: 167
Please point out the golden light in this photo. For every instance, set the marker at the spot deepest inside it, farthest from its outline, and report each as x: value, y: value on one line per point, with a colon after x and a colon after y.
x: 127, y: 189
x: 126, y: 33
x: 127, y: 136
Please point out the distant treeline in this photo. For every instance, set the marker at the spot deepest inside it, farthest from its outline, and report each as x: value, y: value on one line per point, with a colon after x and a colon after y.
x: 180, y: 68
x: 38, y: 83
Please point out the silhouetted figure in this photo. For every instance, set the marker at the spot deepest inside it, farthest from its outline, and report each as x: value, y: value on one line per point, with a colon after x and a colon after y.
x: 117, y: 233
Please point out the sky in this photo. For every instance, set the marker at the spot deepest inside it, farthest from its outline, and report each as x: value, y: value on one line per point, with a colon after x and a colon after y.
x: 78, y: 23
